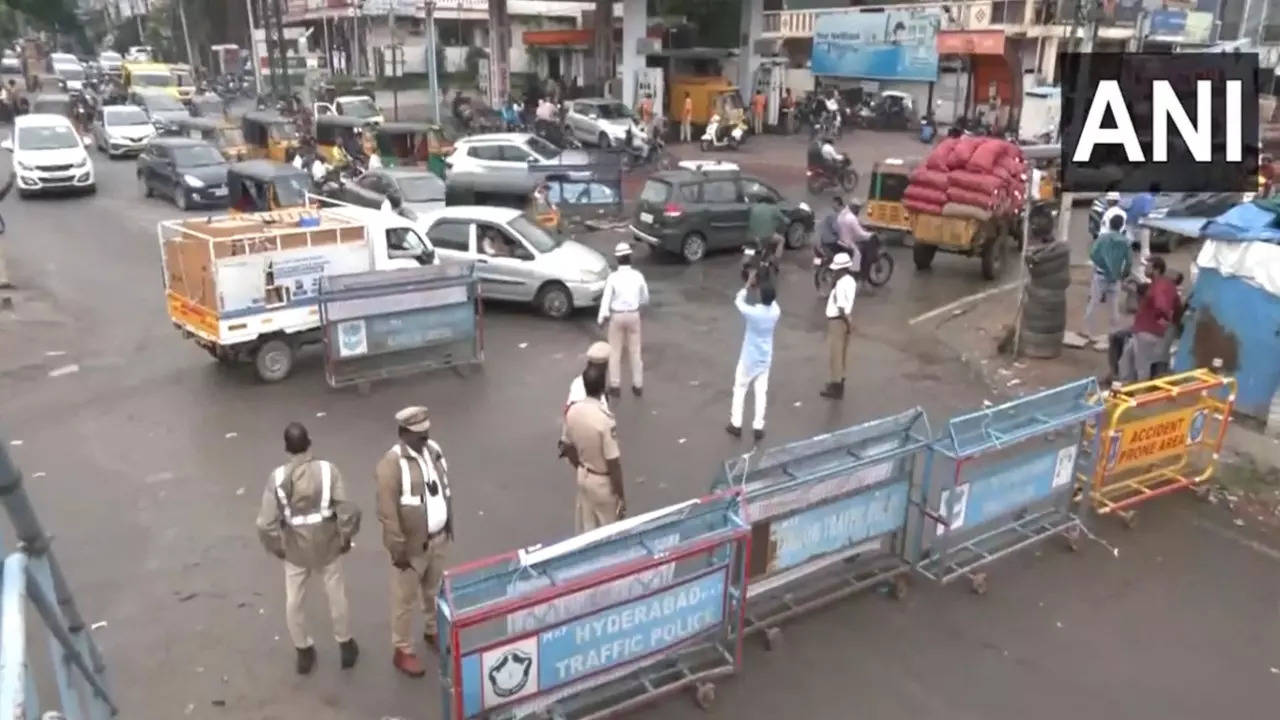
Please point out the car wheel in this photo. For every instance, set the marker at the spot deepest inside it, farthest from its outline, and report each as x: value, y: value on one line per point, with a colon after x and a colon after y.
x: 273, y: 361
x: 554, y: 301
x: 180, y: 197
x: 603, y: 141
x: 705, y: 145
x: 143, y: 186
x: 795, y: 235
x: 923, y: 254
x: 693, y: 248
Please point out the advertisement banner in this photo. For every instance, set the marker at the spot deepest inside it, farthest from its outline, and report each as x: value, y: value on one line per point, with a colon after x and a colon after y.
x: 1168, y: 24
x: 1199, y: 28
x: 889, y: 45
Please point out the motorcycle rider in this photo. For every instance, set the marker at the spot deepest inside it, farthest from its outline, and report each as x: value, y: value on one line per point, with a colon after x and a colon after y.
x: 832, y: 160
x: 832, y: 105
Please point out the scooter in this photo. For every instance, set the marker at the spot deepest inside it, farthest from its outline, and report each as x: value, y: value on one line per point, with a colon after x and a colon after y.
x: 715, y: 136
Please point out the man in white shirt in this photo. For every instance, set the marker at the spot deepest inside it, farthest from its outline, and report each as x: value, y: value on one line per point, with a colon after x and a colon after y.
x: 839, y: 324
x: 624, y: 293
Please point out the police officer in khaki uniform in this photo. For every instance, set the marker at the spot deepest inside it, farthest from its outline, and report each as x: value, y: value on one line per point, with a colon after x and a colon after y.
x: 591, y: 438
x: 415, y: 508
x: 597, y: 354
x: 307, y: 520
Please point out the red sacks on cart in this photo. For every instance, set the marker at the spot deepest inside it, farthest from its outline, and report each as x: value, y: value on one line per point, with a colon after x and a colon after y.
x: 938, y: 157
x: 986, y: 201
x: 988, y: 154
x: 921, y: 207
x: 1012, y: 164
x: 974, y: 182
x: 929, y: 178
x: 924, y: 194
x: 962, y: 151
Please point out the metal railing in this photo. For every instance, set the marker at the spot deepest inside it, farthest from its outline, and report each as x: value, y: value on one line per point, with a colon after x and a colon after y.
x: 32, y: 578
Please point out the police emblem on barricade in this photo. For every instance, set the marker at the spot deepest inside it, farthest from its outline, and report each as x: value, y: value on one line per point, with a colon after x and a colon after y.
x: 1195, y: 429
x: 1113, y: 448
x: 509, y: 674
x: 352, y: 338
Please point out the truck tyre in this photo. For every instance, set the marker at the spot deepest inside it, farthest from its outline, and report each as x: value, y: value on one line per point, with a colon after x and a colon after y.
x: 554, y: 301
x: 273, y: 360
x: 993, y: 255
x: 923, y: 254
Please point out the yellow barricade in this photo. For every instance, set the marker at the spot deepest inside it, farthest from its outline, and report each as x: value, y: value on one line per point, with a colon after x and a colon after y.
x: 1159, y: 436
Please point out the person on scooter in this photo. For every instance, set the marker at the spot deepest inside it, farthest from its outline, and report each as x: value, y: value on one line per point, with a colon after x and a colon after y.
x: 851, y: 233
x: 833, y: 161
x: 829, y: 229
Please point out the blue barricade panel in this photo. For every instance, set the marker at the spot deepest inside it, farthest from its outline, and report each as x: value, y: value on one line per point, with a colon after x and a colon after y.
x: 1004, y: 479
x: 605, y: 619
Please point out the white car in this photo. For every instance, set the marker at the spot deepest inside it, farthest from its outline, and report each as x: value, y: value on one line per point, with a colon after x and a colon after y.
x: 122, y: 130
x: 513, y: 153
x: 602, y: 122
x: 361, y: 107
x: 517, y: 259
x: 48, y: 154
x: 110, y: 61
x: 72, y: 73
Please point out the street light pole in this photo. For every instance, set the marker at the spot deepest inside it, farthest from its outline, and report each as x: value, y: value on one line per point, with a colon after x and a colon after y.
x: 253, y: 47
x: 431, y: 58
x: 186, y: 36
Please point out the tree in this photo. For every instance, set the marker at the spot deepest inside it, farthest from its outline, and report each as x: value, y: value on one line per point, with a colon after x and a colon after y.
x: 56, y: 15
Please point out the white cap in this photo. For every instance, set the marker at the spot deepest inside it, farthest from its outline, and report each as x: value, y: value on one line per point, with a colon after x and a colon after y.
x: 841, y: 261
x: 622, y: 248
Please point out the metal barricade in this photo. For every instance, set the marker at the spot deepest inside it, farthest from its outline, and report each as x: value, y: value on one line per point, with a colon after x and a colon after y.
x: 829, y: 516
x: 1005, y: 481
x: 600, y: 623
x: 1159, y: 436
x: 389, y: 323
x: 32, y: 576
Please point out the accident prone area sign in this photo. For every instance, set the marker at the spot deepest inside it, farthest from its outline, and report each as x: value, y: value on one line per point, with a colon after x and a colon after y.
x: 1145, y: 441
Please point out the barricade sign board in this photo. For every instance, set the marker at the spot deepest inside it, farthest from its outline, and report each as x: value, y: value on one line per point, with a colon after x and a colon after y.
x: 1003, y: 479
x: 1159, y: 436
x: 389, y: 323
x: 601, y: 622
x: 829, y: 515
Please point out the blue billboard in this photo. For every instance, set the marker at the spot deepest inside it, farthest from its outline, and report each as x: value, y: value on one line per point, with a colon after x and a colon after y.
x: 888, y: 45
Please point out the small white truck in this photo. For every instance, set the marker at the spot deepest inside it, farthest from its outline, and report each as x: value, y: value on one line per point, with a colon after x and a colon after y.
x: 360, y: 107
x: 245, y: 287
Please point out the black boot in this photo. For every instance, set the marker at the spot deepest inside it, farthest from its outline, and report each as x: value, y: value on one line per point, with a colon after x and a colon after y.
x: 306, y: 659
x: 733, y: 430
x: 831, y: 391
x: 350, y: 651
x: 840, y: 390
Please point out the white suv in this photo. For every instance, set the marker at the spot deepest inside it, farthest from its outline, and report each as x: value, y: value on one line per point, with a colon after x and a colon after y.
x: 513, y: 153
x: 602, y: 122
x: 48, y: 154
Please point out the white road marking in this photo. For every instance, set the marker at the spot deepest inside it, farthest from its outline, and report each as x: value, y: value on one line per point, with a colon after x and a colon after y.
x: 64, y: 370
x: 964, y: 301
x: 1236, y: 537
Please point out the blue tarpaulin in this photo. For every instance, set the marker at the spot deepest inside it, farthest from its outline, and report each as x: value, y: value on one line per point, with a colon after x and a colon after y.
x: 1248, y: 221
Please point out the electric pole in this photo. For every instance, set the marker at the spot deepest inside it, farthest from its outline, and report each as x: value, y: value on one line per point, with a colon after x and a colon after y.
x: 182, y: 15
x: 431, y: 57
x: 284, y: 53
x: 253, y: 46
x: 1086, y: 16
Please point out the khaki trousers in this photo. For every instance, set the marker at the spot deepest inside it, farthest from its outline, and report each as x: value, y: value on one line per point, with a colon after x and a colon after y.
x: 837, y: 348
x: 686, y: 130
x: 757, y: 123
x: 415, y: 589
x: 295, y: 594
x: 624, y: 329
x: 596, y: 505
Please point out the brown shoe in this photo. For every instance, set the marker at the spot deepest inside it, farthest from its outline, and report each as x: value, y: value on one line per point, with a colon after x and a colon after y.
x: 408, y: 663
x: 430, y: 640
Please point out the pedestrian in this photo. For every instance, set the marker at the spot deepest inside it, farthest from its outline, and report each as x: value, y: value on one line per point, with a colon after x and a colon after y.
x: 839, y: 324
x: 1140, y: 206
x: 757, y: 112
x: 1156, y: 311
x: 415, y: 507
x: 597, y: 354
x: 686, y: 119
x: 308, y: 521
x: 625, y: 292
x: 1110, y: 256
x: 756, y: 357
x: 646, y: 111
x: 591, y: 436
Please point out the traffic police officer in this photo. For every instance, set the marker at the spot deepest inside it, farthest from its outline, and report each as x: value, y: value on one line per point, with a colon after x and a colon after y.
x: 307, y: 520
x: 625, y: 292
x: 597, y: 354
x: 591, y: 436
x: 416, y: 511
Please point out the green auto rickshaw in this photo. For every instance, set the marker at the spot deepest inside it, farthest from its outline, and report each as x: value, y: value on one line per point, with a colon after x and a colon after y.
x: 406, y: 143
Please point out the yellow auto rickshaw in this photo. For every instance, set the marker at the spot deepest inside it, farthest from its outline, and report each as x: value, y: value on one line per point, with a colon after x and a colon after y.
x: 525, y: 192
x: 266, y: 185
x: 884, y: 209
x: 269, y: 134
x: 405, y: 143
x: 334, y: 132
x: 228, y: 138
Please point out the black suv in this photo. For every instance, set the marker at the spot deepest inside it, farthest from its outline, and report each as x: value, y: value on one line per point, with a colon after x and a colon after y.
x: 690, y: 212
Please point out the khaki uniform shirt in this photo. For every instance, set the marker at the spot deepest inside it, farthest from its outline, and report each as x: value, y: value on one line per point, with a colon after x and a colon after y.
x: 404, y: 527
x: 590, y: 428
x: 312, y: 546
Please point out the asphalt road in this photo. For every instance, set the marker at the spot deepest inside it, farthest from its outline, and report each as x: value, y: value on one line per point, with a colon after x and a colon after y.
x: 147, y: 461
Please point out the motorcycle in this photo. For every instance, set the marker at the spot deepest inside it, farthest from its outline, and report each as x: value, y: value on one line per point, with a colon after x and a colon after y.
x: 719, y: 136
x: 820, y: 178
x: 877, y: 265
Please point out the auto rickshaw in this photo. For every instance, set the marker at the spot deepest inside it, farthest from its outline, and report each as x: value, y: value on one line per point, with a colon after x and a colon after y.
x: 228, y: 138
x: 269, y: 134
x: 527, y: 193
x: 266, y: 185
x: 207, y: 105
x: 404, y: 143
x: 334, y: 131
x: 884, y: 210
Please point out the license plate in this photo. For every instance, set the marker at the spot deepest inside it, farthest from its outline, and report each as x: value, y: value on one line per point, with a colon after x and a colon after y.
x: 219, y: 192
x: 646, y: 218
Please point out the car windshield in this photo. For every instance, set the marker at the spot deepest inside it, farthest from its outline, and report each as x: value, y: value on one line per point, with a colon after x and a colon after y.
x: 539, y: 238
x: 152, y: 79
x: 655, y: 191
x: 421, y: 188
x: 110, y: 57
x: 542, y: 148
x: 196, y: 156
x: 613, y: 111
x: 162, y: 103
x: 231, y: 136
x: 291, y: 190
x: 70, y: 72
x: 359, y: 108
x: 56, y: 137
x: 127, y: 116
x: 11, y: 64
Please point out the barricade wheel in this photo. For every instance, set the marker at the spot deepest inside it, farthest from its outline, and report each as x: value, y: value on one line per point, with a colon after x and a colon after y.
x: 978, y: 583
x: 772, y: 638
x: 1203, y: 492
x: 900, y: 587
x: 1073, y: 539
x: 705, y: 695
